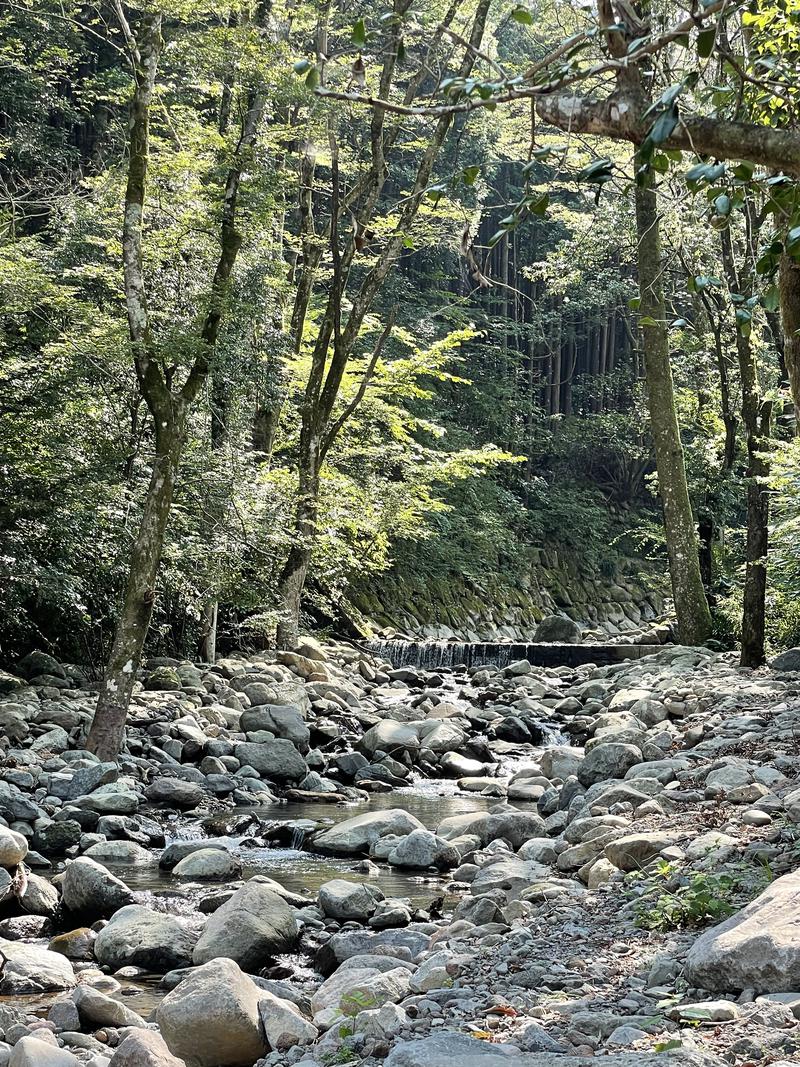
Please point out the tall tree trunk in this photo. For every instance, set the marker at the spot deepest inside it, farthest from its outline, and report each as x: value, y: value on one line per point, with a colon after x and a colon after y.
x: 295, y: 571
x: 108, y: 726
x: 790, y: 318
x: 336, y: 341
x: 756, y: 417
x: 168, y: 407
x: 691, y: 606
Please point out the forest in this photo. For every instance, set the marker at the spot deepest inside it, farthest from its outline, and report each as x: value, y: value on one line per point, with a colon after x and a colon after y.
x: 298, y: 295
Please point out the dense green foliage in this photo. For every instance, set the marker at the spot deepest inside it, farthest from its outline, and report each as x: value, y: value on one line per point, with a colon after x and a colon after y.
x: 507, y: 408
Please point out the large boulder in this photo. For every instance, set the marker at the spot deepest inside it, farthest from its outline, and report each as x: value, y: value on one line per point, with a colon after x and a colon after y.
x: 392, y: 737
x: 786, y: 661
x: 421, y: 849
x: 32, y: 969
x: 89, y: 889
x: 356, y: 835
x: 340, y: 899
x: 284, y: 1024
x: 250, y: 928
x: 31, y: 1051
x: 277, y: 760
x: 758, y: 948
x: 508, y: 873
x: 279, y: 719
x: 96, y: 1009
x: 175, y: 793
x: 136, y: 936
x: 634, y: 851
x: 558, y: 628
x: 13, y: 848
x: 606, y: 761
x: 516, y: 827
x: 211, y: 1019
x: 212, y: 864
x: 351, y: 990
x: 448, y: 1048
x: 145, y: 1048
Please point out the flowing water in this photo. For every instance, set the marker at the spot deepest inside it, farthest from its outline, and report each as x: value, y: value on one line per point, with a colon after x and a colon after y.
x: 300, y: 871
x: 438, y: 655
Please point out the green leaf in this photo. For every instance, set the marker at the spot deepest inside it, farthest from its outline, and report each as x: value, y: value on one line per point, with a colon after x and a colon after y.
x: 635, y: 303
x: 358, y: 35
x: 770, y: 298
x: 664, y: 125
x: 540, y: 206
x: 312, y: 78
x: 496, y: 238
x: 599, y: 170
x: 705, y: 42
x: 435, y: 193
x: 522, y: 15
x: 469, y: 174
x: 647, y: 320
x: 301, y: 66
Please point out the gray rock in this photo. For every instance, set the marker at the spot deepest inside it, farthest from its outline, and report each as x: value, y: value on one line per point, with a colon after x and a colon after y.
x: 31, y: 969
x: 144, y: 1049
x: 349, y: 991
x: 13, y: 848
x: 89, y: 889
x: 281, y: 720
x: 175, y: 793
x: 391, y: 737
x: 356, y: 835
x: 283, y: 1023
x: 340, y: 899
x: 31, y: 1051
x: 212, y: 1018
x: 634, y: 851
x: 558, y: 628
x: 758, y: 948
x: 40, y: 897
x: 56, y: 837
x: 96, y: 1009
x: 208, y: 863
x: 277, y: 760
x: 136, y: 936
x: 606, y: 761
x: 178, y: 850
x: 250, y: 928
x: 786, y: 661
x: 421, y: 849
x: 126, y: 853
x: 87, y: 779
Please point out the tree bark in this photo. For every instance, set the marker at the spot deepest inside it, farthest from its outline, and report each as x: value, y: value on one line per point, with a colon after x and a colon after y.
x: 336, y: 341
x: 691, y: 606
x: 756, y: 416
x: 619, y: 116
x: 169, y: 408
x: 790, y: 318
x: 108, y: 726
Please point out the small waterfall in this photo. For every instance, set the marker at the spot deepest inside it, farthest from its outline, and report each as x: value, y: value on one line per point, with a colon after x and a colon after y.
x: 298, y: 838
x: 436, y: 655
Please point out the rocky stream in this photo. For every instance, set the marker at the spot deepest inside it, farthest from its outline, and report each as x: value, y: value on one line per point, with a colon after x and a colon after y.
x: 316, y: 857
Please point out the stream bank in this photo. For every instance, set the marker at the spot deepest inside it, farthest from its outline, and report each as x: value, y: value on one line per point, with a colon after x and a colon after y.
x: 331, y: 860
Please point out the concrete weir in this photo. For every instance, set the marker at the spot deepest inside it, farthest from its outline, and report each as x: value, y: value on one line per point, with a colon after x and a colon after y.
x: 432, y: 655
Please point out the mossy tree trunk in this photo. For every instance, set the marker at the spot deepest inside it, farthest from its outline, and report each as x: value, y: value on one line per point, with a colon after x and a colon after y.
x: 691, y: 605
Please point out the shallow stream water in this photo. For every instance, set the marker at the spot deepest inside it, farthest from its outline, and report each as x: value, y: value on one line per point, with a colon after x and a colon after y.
x: 300, y: 871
